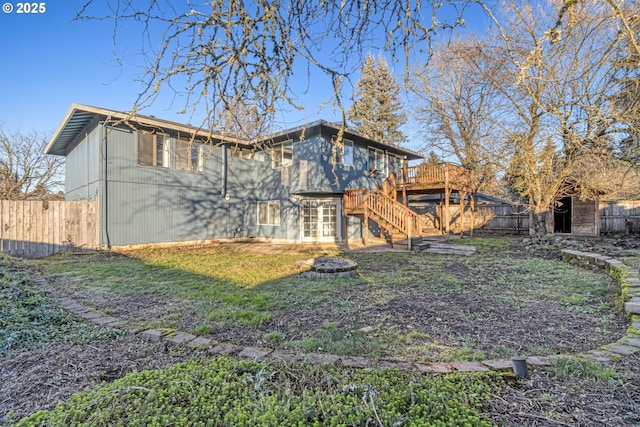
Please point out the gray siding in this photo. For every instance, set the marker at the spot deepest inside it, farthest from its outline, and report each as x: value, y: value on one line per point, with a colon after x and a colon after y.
x: 144, y: 204
x: 82, y: 165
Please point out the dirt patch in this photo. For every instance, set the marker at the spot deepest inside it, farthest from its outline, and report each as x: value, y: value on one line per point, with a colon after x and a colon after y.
x: 531, y: 328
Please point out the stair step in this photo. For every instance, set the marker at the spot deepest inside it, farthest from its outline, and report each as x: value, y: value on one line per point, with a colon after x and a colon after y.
x: 416, y: 242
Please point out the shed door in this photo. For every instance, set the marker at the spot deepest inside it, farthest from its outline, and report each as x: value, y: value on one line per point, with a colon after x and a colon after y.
x: 562, y: 216
x: 319, y: 220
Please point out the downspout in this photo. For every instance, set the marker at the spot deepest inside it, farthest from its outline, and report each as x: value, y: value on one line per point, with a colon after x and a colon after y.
x: 225, y: 167
x: 105, y: 196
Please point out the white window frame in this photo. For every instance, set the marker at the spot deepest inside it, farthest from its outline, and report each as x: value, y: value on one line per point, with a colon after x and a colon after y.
x: 379, y: 160
x: 345, y: 154
x: 242, y: 153
x: 278, y: 152
x: 395, y: 165
x: 272, y: 212
x: 195, y: 158
x: 160, y: 144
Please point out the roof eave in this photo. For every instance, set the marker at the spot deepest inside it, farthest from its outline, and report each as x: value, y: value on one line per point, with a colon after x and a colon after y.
x: 57, y: 147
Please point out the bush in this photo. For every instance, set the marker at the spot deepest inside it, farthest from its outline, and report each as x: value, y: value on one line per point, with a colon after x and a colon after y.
x: 227, y: 392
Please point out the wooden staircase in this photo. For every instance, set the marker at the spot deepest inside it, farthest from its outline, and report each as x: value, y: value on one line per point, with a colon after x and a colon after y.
x: 401, y: 222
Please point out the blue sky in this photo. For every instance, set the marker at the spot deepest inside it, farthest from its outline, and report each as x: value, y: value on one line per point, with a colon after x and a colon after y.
x: 50, y: 61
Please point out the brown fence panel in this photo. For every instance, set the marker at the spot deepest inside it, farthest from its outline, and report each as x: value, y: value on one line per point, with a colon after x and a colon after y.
x: 34, y: 229
x: 619, y: 217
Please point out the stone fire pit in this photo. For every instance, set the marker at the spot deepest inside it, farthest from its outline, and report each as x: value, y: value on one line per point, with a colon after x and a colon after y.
x: 324, y: 268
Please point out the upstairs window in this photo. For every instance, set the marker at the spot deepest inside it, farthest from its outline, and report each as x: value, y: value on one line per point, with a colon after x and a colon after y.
x: 282, y: 155
x: 189, y: 155
x: 242, y: 153
x: 153, y: 150
x: 376, y: 160
x: 395, y: 162
x: 344, y: 154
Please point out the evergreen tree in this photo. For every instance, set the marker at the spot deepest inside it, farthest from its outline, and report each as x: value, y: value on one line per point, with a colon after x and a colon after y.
x: 377, y: 108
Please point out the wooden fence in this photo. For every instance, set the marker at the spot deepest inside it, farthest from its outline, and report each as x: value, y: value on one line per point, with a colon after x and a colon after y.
x: 615, y: 218
x: 492, y: 218
x: 620, y: 217
x: 33, y: 229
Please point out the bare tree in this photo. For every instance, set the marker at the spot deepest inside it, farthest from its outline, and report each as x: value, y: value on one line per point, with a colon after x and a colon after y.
x: 25, y: 171
x: 558, y: 57
x: 460, y: 112
x: 218, y: 52
x: 627, y: 99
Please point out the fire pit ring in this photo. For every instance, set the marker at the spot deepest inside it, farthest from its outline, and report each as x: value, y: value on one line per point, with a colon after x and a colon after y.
x: 325, y: 268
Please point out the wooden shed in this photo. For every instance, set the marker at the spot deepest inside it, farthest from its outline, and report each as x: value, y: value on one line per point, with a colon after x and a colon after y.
x: 570, y: 215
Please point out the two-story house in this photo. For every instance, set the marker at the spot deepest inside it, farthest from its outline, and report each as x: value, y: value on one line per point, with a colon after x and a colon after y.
x: 161, y: 181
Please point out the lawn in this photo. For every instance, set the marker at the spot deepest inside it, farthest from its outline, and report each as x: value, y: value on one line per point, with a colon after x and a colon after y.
x: 499, y: 302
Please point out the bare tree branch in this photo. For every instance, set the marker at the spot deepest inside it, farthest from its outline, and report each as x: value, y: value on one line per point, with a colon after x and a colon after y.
x: 216, y: 53
x: 25, y: 171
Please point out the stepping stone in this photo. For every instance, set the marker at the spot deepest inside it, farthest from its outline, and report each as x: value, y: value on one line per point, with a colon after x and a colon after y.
x: 632, y: 340
x: 470, y: 367
x: 356, y: 362
x: 285, y: 356
x: 633, y: 306
x: 434, y: 368
x: 90, y: 315
x: 394, y: 364
x: 499, y: 364
x: 180, y: 338
x: 254, y: 352
x: 598, y: 356
x: 321, y: 358
x: 224, y: 349
x: 622, y: 349
x: 154, y: 335
x: 200, y: 342
x: 538, y: 361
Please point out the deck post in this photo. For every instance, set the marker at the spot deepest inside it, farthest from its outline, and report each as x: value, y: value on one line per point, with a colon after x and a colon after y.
x: 462, y: 196
x: 409, y: 226
x: 472, y: 206
x: 345, y: 221
x: 404, y: 185
x: 365, y: 231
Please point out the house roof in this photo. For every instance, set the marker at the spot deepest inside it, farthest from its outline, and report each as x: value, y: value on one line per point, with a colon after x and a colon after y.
x: 78, y: 116
x: 411, y: 155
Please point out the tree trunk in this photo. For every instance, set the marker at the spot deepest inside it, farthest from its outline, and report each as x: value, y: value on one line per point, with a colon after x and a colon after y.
x: 539, y: 223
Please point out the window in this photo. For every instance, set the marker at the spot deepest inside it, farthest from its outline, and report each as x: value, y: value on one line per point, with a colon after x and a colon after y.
x: 344, y: 154
x: 189, y: 156
x: 395, y: 162
x: 269, y: 213
x: 153, y: 150
x: 282, y: 154
x: 242, y: 153
x: 376, y: 160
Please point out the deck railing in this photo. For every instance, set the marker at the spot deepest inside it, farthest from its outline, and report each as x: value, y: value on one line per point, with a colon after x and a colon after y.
x: 434, y: 174
x: 382, y: 207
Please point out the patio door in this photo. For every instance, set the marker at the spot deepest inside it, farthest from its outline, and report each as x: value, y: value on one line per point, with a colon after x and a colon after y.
x: 319, y: 220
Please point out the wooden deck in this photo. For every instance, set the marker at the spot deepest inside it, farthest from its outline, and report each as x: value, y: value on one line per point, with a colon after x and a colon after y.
x: 434, y: 178
x: 384, y: 205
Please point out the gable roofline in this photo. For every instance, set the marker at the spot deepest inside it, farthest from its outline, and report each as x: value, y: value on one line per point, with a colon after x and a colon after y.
x: 78, y: 116
x: 348, y: 132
